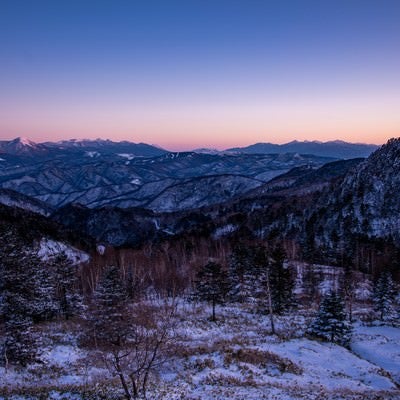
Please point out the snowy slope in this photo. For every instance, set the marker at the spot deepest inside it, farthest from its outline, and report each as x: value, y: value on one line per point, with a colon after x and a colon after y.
x: 49, y: 248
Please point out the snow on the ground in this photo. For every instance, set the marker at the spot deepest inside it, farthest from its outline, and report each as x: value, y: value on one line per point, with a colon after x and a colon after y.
x: 237, y: 358
x: 381, y: 346
x: 50, y: 248
x: 330, y: 366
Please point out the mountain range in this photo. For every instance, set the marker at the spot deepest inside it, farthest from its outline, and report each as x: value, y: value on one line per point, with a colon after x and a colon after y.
x: 102, y: 172
x: 324, y: 210
x: 22, y: 146
x: 336, y: 148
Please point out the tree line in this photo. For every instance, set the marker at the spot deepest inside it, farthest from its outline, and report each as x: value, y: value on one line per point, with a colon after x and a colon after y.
x: 130, y: 332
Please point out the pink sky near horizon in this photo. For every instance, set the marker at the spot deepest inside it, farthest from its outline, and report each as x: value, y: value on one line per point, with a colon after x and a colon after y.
x: 212, y: 122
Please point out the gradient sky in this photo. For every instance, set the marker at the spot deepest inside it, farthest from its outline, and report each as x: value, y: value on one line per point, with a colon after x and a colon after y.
x: 200, y: 73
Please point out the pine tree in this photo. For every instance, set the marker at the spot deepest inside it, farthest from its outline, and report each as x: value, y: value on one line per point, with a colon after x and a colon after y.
x: 281, y: 281
x: 43, y: 302
x: 17, y: 292
x: 330, y: 324
x: 70, y: 301
x: 109, y: 315
x: 384, y: 297
x: 212, y: 285
x: 241, y: 274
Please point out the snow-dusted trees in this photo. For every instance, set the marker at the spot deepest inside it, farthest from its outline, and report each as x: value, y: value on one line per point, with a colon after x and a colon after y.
x: 281, y: 281
x: 253, y: 269
x: 212, y: 285
x: 261, y: 261
x: 109, y: 313
x: 25, y: 297
x: 69, y: 299
x: 330, y: 323
x: 131, y: 338
x: 242, y: 274
x: 384, y: 296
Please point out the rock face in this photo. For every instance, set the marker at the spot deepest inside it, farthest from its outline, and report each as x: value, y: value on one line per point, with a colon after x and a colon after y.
x: 357, y: 211
x: 367, y: 201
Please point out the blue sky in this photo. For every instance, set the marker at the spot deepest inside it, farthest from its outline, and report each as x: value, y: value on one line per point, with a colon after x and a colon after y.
x: 210, y: 73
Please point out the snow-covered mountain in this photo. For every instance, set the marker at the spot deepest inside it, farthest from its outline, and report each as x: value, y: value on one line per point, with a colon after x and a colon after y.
x: 99, y: 173
x: 22, y: 146
x: 336, y: 148
x: 366, y: 202
x: 12, y: 198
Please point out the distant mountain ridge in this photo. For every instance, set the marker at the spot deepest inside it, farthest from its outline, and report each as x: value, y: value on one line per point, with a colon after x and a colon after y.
x: 22, y: 146
x: 168, y: 182
x: 336, y: 148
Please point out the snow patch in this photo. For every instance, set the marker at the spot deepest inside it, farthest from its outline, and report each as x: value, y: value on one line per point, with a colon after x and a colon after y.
x: 92, y: 154
x: 50, y: 248
x: 101, y: 249
x: 26, y: 142
x: 380, y: 346
x: 126, y: 155
x: 224, y: 230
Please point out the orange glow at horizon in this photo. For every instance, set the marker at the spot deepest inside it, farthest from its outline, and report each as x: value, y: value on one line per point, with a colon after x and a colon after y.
x: 220, y: 126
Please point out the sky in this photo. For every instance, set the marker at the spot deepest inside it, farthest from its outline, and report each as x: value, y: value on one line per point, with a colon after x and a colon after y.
x: 200, y: 73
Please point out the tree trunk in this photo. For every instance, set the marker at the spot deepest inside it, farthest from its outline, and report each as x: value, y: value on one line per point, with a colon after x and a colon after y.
x: 271, y: 314
x: 122, y: 377
x: 213, y: 311
x: 134, y: 387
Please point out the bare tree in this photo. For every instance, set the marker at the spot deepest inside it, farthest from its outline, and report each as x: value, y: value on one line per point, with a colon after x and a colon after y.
x: 132, y: 339
x: 262, y: 264
x: 144, y: 349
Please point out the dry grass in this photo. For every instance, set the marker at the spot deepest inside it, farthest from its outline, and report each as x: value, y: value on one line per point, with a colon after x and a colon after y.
x: 262, y: 359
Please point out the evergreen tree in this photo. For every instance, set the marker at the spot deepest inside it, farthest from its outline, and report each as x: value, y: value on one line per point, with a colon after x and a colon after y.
x: 330, y: 324
x: 262, y: 266
x: 212, y: 285
x: 241, y: 274
x: 17, y: 293
x: 281, y: 281
x: 70, y: 301
x: 110, y: 315
x: 43, y: 302
x: 384, y: 297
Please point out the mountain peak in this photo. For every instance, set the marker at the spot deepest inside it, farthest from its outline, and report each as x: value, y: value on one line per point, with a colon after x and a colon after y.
x: 20, y: 145
x: 24, y: 141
